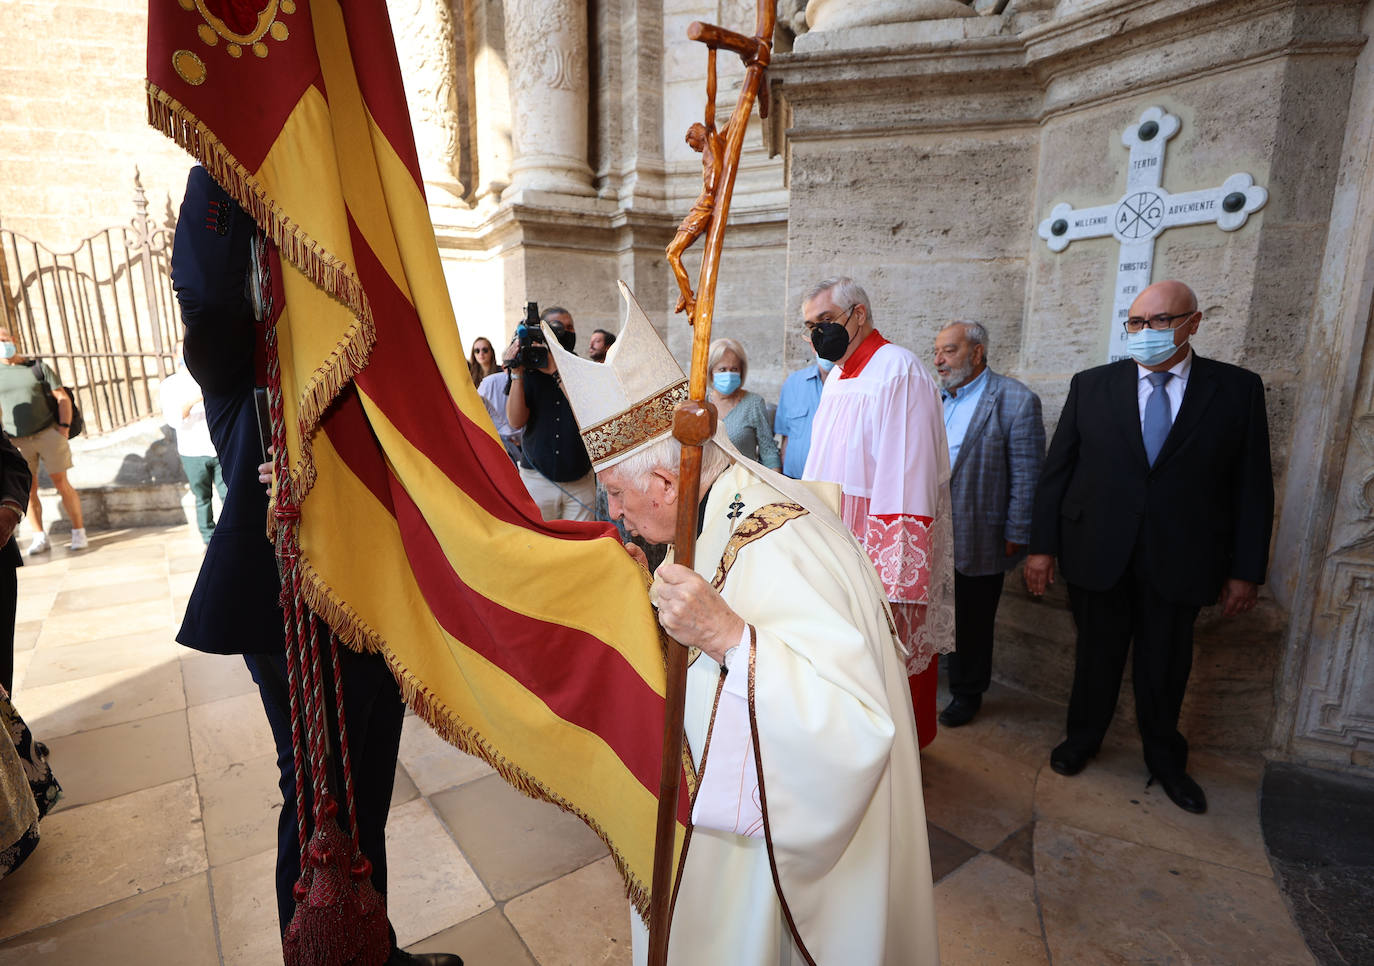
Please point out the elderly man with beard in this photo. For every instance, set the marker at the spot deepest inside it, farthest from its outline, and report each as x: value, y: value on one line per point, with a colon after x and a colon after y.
x: 996, y: 447
x: 808, y: 841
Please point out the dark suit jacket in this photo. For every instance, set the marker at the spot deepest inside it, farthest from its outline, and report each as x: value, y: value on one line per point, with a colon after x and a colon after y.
x: 1201, y: 515
x: 992, y: 484
x: 14, y: 484
x: 234, y: 607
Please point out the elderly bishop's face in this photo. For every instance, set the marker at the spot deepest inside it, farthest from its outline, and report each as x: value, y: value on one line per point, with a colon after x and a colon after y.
x: 650, y: 512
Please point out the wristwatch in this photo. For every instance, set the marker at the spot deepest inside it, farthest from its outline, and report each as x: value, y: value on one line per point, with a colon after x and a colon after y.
x: 15, y: 506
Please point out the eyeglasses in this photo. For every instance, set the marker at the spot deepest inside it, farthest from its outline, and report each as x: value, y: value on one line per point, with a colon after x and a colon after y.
x: 1157, y: 322
x: 811, y: 326
x: 481, y: 350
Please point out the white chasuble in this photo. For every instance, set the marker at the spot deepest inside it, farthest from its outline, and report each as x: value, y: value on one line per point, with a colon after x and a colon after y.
x: 828, y: 711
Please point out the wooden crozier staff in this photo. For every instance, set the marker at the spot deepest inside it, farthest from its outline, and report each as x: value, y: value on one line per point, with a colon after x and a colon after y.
x: 694, y: 422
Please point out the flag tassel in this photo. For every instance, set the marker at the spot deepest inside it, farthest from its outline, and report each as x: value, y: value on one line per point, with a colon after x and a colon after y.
x: 340, y: 918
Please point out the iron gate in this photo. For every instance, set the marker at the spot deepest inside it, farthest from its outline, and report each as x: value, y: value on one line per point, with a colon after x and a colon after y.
x: 102, y: 315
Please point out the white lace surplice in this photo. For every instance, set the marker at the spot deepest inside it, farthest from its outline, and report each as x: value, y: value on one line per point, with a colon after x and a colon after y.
x: 881, y: 436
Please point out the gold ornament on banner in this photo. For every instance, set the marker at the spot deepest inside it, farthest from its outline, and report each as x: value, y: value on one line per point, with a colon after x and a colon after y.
x: 241, y: 26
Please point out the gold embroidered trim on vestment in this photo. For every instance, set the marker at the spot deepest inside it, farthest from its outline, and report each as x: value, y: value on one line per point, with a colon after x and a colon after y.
x: 760, y: 523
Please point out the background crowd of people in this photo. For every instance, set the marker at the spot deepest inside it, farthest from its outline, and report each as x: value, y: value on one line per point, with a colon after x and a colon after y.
x: 945, y: 483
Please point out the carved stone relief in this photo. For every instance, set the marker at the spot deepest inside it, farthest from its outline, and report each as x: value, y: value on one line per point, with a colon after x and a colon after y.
x: 546, y: 46
x: 1337, y: 702
x: 427, y: 44
x: 840, y: 14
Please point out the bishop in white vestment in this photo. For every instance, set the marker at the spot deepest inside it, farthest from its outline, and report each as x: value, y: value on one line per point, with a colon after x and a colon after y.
x: 808, y: 842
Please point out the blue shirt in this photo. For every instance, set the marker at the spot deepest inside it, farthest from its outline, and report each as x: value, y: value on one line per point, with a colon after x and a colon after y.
x: 959, y: 411
x: 797, y: 403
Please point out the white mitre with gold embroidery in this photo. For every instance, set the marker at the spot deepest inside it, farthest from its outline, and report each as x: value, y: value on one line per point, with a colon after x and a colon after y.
x: 626, y: 402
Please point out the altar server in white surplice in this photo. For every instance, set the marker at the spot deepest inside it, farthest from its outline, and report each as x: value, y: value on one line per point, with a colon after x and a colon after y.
x: 879, y: 433
x: 809, y: 839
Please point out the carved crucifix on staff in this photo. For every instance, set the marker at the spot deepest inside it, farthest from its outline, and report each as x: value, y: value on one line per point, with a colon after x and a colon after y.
x: 709, y: 142
x: 694, y: 421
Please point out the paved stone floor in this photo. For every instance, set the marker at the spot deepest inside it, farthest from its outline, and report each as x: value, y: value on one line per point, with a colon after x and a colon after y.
x: 162, y: 850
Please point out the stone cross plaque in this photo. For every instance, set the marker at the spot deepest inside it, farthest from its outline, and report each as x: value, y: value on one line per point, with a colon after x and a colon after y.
x: 1145, y: 211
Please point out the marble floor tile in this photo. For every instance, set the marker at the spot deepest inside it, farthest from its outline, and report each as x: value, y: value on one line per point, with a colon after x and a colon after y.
x: 240, y: 806
x: 108, y: 762
x: 100, y: 853
x: 986, y: 916
x: 153, y: 573
x: 181, y: 584
x: 107, y: 548
x: 1018, y: 851
x: 26, y: 634
x: 1109, y: 797
x: 1108, y: 901
x: 229, y: 731
x: 34, y: 607
x: 213, y: 677
x: 1013, y: 723
x: 582, y: 919
x: 402, y: 788
x: 148, y: 616
x: 947, y: 852
x: 978, y: 794
x: 22, y: 660
x: 186, y: 563
x: 515, y: 843
x: 110, y: 595
x: 430, y: 886
x: 171, y: 924
x: 104, y: 699
x: 57, y: 661
x: 432, y: 762
x: 486, y: 938
x: 33, y: 581
x: 246, y: 911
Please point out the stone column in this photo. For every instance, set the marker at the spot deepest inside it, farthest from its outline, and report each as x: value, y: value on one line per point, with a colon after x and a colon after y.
x: 428, y: 44
x: 839, y: 14
x: 546, y: 47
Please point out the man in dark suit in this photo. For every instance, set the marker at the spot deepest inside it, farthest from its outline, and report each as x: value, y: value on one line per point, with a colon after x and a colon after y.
x: 234, y: 608
x: 1157, y: 497
x: 996, y: 447
x: 14, y: 496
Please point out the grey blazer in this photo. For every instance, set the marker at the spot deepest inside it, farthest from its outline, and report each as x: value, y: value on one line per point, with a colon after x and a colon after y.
x: 992, y: 486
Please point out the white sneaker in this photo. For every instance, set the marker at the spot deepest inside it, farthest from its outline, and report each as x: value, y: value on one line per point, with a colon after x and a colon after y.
x: 39, y: 544
x: 78, y: 540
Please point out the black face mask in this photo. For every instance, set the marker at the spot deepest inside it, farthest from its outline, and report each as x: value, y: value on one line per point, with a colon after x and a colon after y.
x: 831, y: 339
x: 565, y: 338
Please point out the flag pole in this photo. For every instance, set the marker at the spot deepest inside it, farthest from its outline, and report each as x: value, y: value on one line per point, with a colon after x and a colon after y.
x: 694, y: 423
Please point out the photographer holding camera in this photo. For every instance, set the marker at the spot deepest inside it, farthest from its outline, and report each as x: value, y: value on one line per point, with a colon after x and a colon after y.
x: 554, y: 464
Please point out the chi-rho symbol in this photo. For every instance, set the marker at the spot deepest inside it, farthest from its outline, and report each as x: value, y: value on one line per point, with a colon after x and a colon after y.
x: 1145, y: 211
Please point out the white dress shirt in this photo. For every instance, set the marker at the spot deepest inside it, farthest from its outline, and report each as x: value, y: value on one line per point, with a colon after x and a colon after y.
x: 1174, y: 387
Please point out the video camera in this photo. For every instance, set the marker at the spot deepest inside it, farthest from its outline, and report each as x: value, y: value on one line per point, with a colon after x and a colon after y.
x: 534, y: 348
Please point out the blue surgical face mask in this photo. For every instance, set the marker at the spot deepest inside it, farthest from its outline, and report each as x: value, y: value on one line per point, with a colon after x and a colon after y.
x: 726, y: 382
x: 1150, y: 347
x: 7, y: 350
x: 825, y: 364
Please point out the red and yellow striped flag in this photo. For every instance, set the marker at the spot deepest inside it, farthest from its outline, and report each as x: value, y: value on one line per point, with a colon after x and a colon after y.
x: 529, y: 644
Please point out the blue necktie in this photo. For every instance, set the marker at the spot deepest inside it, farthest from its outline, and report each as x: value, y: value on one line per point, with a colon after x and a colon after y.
x: 1158, y: 415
